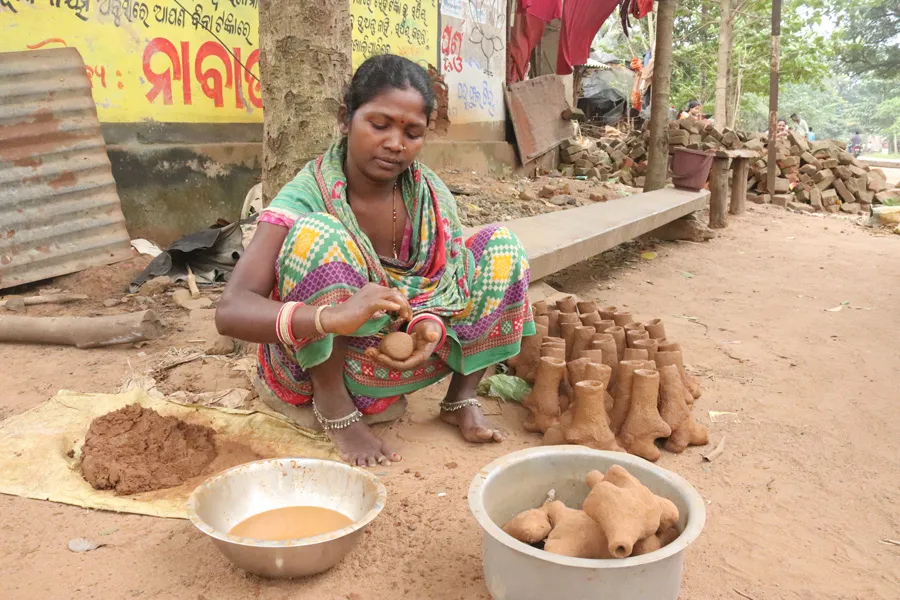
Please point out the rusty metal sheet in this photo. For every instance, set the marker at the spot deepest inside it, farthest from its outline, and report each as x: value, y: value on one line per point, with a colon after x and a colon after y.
x: 535, y: 106
x: 59, y: 209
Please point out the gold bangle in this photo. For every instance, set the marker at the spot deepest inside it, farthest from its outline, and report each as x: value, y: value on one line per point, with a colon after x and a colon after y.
x: 319, y: 327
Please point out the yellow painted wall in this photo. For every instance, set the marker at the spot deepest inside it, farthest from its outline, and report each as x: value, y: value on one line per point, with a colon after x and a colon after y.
x: 193, y: 61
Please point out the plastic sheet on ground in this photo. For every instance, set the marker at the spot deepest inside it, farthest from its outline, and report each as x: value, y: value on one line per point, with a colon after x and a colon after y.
x: 34, y: 448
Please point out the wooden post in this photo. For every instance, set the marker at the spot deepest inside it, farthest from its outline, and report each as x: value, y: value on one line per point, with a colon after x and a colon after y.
x: 773, y: 93
x: 658, y: 156
x: 718, y: 196
x: 739, y: 186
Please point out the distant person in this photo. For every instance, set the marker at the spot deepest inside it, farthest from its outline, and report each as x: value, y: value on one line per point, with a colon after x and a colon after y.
x: 800, y: 126
x: 856, y: 146
x: 781, y: 130
x: 811, y: 136
x: 693, y: 111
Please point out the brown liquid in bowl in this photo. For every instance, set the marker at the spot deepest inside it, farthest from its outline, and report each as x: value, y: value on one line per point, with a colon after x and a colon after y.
x: 291, y: 523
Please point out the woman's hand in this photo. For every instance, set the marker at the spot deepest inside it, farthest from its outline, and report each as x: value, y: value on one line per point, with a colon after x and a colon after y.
x: 426, y: 336
x: 347, y: 317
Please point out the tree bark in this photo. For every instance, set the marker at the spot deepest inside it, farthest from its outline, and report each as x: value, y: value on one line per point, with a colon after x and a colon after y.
x: 305, y: 66
x: 723, y: 60
x: 736, y: 111
x: 658, y: 159
x: 774, y: 73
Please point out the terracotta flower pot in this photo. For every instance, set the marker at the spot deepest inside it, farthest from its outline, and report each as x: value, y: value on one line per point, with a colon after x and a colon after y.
x: 541, y: 307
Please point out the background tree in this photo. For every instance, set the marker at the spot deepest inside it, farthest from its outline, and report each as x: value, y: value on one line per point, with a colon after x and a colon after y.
x: 868, y: 32
x: 305, y: 66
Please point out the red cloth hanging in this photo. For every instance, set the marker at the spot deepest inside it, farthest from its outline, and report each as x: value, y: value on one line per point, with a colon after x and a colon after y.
x: 545, y: 10
x: 581, y: 20
x: 526, y: 33
x: 640, y: 8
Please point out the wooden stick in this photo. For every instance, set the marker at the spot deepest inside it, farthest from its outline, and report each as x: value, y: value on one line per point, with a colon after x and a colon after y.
x: 83, y: 332
x: 192, y: 283
x: 49, y: 299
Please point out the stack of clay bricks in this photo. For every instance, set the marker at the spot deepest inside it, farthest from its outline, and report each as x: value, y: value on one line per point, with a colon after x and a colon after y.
x: 810, y: 176
x: 817, y: 176
x: 603, y: 380
x: 583, y: 157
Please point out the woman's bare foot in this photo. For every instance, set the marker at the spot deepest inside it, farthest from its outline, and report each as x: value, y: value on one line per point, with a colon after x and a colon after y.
x: 472, y: 424
x: 359, y: 446
x: 356, y: 443
x: 470, y: 420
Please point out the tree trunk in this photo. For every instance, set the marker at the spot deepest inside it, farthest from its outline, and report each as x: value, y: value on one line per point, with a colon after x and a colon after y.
x: 304, y: 66
x: 658, y: 159
x: 729, y: 96
x: 774, y: 75
x: 735, y: 113
x: 723, y: 60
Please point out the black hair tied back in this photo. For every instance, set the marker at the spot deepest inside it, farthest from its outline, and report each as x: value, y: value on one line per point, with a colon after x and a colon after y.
x: 386, y: 71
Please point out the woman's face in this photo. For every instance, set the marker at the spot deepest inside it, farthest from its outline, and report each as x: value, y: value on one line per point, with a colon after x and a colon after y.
x: 386, y: 133
x: 695, y: 111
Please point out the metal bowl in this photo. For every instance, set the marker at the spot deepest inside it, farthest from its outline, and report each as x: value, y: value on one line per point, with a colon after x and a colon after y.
x: 520, y: 480
x: 228, y: 498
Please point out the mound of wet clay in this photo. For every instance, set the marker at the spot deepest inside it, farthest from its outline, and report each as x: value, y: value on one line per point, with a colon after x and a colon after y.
x: 135, y: 449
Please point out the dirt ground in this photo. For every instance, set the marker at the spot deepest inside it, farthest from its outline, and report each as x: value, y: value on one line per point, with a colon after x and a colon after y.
x: 798, y: 504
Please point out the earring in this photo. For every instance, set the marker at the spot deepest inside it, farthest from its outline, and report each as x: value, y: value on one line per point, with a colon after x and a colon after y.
x: 403, y: 148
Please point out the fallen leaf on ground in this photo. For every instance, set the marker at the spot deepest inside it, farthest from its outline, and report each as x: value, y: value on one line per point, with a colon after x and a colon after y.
x: 83, y: 545
x: 649, y: 255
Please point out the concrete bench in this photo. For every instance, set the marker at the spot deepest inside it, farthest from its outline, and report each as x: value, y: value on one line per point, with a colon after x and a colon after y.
x: 561, y: 239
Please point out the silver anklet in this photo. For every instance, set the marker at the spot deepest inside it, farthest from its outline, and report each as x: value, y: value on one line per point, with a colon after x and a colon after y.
x: 342, y: 423
x: 459, y: 404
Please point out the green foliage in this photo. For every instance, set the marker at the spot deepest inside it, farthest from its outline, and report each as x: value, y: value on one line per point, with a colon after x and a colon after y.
x: 867, y: 35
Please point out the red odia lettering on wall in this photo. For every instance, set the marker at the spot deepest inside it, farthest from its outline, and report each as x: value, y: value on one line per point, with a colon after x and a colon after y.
x: 214, y: 69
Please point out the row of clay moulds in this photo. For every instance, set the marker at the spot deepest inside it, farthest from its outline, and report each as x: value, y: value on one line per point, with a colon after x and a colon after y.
x: 603, y: 380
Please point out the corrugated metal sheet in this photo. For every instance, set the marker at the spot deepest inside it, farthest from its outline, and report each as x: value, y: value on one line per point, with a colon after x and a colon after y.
x: 59, y: 209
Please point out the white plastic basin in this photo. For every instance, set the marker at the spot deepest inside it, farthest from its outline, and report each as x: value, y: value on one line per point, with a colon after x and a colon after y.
x: 514, y: 570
